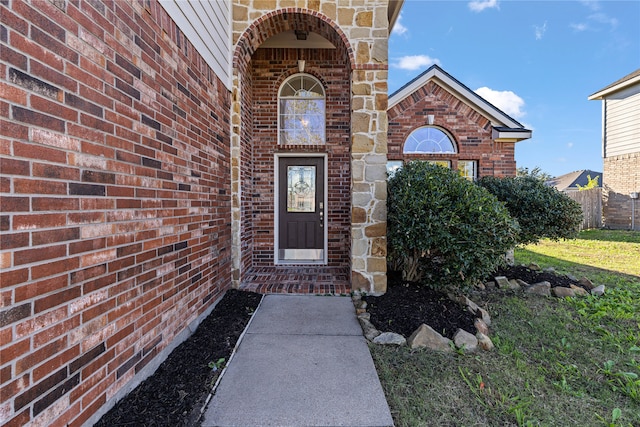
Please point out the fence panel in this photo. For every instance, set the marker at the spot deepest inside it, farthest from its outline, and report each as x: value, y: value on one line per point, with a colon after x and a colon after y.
x: 591, y: 202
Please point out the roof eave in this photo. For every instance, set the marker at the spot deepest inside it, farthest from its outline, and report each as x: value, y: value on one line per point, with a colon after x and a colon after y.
x: 393, y: 12
x: 510, y: 135
x: 600, y: 95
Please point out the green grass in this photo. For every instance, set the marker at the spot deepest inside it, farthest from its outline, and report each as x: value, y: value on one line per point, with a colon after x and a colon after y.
x: 557, y: 362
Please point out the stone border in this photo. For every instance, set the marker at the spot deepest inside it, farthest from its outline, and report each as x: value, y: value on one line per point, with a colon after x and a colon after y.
x: 427, y: 337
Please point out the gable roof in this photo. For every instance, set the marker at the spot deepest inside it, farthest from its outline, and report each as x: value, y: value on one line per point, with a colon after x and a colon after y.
x: 626, y: 81
x: 571, y: 180
x: 505, y: 127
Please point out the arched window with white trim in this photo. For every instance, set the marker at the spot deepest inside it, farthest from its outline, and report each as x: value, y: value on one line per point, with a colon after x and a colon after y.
x: 301, y: 111
x: 429, y: 140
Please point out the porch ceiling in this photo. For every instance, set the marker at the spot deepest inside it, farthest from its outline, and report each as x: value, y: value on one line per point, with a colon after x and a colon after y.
x: 288, y: 39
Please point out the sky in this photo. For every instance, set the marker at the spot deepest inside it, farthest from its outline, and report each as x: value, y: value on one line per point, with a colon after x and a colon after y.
x: 537, y: 61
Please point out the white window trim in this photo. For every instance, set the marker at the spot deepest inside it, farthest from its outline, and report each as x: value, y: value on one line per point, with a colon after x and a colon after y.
x: 324, y: 93
x: 442, y: 153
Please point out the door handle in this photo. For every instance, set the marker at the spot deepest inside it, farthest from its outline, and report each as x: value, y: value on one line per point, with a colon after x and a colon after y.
x: 321, y: 219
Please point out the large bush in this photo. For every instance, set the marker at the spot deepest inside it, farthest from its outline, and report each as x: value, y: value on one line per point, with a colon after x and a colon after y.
x: 541, y: 211
x: 443, y: 230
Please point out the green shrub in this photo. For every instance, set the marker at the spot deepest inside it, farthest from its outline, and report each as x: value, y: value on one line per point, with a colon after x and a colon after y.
x: 541, y: 211
x: 443, y: 230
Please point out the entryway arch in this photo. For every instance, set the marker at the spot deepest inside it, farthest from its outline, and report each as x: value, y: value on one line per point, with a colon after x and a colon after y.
x: 268, y: 52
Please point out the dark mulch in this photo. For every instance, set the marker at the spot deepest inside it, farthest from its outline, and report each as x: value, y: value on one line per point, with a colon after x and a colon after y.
x: 405, y: 306
x: 175, y: 393
x: 523, y: 273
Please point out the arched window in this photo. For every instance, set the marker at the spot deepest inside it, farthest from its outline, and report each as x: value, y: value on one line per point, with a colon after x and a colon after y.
x: 428, y: 140
x: 301, y: 115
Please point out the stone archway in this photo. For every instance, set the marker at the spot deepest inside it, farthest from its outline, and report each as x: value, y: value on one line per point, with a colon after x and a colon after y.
x: 363, y: 178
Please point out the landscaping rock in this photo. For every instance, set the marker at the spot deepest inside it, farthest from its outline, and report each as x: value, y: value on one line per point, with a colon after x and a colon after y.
x: 370, y: 332
x: 549, y: 270
x: 581, y: 292
x: 586, y: 283
x: 514, y: 285
x: 485, y: 316
x: 465, y: 341
x: 490, y: 284
x: 390, y: 338
x: 484, y: 342
x: 598, y: 290
x: 522, y: 283
x: 542, y: 288
x: 562, y: 292
x: 366, y: 316
x: 481, y: 326
x: 533, y: 267
x: 502, y: 282
x: 425, y: 336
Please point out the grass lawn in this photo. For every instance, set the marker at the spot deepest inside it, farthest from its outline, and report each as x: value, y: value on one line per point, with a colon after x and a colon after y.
x: 557, y: 362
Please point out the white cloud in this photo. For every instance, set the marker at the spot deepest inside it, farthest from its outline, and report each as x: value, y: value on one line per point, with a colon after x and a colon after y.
x: 569, y: 144
x: 398, y: 28
x: 480, y: 5
x: 505, y: 100
x: 603, y: 18
x: 539, y: 31
x: 414, y: 62
x: 591, y: 4
x: 579, y: 27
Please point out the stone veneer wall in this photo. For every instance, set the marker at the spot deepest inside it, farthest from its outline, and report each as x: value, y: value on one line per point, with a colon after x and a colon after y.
x: 471, y: 131
x: 360, y: 29
x: 115, y: 203
x: 621, y: 176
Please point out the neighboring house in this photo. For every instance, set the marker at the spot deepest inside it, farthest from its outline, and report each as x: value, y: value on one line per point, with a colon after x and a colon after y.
x: 572, y: 181
x: 154, y: 154
x: 436, y: 118
x: 621, y: 151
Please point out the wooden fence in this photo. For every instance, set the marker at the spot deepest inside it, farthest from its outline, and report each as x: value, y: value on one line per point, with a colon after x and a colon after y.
x: 591, y: 202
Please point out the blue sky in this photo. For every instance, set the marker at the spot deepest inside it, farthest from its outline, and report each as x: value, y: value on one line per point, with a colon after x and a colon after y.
x: 538, y: 61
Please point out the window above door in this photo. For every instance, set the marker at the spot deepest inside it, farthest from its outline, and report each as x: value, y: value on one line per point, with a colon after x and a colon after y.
x: 301, y: 111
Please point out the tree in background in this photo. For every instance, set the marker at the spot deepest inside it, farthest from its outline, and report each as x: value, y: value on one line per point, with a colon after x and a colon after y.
x: 536, y: 173
x: 592, y: 183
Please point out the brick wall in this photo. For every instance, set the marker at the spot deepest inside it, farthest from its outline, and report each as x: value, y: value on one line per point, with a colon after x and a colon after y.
x: 621, y: 176
x: 470, y: 130
x: 270, y: 67
x: 115, y: 204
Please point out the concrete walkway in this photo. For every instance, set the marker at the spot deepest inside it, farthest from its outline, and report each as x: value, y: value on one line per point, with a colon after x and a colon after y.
x: 302, y: 362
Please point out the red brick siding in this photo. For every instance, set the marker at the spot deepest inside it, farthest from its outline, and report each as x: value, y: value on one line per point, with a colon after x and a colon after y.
x: 470, y: 130
x: 270, y: 67
x: 115, y: 205
x: 246, y: 172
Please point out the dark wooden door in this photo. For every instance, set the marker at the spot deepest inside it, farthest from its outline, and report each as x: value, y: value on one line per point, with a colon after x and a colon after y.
x: 301, y: 213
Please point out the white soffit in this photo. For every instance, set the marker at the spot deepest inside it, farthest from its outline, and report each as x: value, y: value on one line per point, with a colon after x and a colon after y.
x: 207, y: 25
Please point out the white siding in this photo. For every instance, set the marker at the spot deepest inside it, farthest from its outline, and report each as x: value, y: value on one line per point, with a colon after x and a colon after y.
x: 622, y: 123
x: 207, y: 25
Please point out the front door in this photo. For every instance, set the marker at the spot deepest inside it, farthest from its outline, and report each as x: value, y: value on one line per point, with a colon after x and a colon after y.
x: 301, y: 210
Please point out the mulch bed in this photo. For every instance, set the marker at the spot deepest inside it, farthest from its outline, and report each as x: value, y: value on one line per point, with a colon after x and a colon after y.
x: 176, y: 392
x: 405, y: 305
x: 523, y: 273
